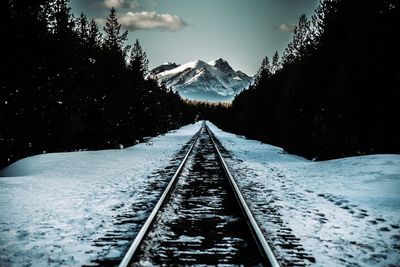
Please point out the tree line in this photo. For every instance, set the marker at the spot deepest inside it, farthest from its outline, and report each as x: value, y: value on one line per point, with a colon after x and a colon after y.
x: 66, y: 86
x: 334, y: 92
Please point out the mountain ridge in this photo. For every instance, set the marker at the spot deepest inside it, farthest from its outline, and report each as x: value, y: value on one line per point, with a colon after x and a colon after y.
x: 197, y: 80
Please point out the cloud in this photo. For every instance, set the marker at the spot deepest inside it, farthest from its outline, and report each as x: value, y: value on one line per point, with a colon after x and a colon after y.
x: 151, y: 21
x: 121, y: 4
x: 286, y: 27
x: 135, y: 4
x: 100, y: 21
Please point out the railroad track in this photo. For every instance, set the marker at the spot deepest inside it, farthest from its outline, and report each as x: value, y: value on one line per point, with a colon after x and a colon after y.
x: 201, y: 218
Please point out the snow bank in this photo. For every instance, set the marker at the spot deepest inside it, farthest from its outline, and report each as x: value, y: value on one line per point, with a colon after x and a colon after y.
x: 53, y: 206
x: 329, y: 213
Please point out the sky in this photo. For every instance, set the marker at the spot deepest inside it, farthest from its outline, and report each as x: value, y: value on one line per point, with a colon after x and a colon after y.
x: 242, y: 32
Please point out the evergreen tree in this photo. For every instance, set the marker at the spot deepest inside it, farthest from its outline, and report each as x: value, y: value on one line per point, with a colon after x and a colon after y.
x: 336, y: 93
x: 74, y: 89
x: 264, y: 71
x: 83, y: 28
x: 301, y: 37
x: 94, y: 36
x: 138, y: 62
x: 297, y: 48
x: 59, y: 18
x: 275, y: 62
x: 114, y: 40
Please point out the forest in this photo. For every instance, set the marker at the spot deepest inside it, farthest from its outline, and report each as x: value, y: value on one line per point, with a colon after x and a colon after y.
x: 335, y: 91
x: 67, y: 86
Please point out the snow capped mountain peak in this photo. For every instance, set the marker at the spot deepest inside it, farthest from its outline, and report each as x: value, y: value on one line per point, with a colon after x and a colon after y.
x: 168, y: 63
x: 198, y: 64
x: 241, y: 73
x: 213, y: 81
x: 218, y: 62
x: 221, y: 65
x: 162, y: 68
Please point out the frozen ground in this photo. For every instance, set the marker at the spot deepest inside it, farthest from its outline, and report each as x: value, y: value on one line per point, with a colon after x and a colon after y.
x: 343, y: 212
x: 71, y: 209
x: 58, y: 209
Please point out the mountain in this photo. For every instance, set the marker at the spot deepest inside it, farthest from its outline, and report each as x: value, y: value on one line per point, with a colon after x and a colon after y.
x: 198, y: 80
x: 163, y: 67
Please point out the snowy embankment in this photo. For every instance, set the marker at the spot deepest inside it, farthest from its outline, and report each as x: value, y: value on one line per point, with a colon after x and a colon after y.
x: 53, y: 206
x: 64, y: 208
x: 343, y: 212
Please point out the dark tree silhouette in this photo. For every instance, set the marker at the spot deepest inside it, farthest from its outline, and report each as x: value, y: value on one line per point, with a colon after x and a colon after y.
x: 114, y: 40
x: 335, y: 92
x: 138, y: 61
x: 275, y: 62
x: 264, y: 70
x: 66, y: 87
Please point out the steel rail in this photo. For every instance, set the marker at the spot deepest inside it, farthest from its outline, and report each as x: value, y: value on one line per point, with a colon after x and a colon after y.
x: 146, y: 226
x: 254, y: 228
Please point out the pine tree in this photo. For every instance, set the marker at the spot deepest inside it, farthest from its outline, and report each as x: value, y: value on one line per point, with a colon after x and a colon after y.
x: 297, y: 48
x: 264, y: 71
x: 275, y: 62
x: 114, y: 39
x: 59, y: 18
x: 83, y: 28
x: 138, y: 62
x: 73, y: 90
x: 301, y: 36
x: 94, y: 35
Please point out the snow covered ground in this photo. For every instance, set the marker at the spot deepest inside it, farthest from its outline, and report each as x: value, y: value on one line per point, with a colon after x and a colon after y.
x: 343, y: 212
x: 64, y: 208
x: 54, y: 206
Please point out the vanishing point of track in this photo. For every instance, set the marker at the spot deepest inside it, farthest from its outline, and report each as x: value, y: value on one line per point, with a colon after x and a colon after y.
x: 201, y: 218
